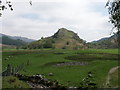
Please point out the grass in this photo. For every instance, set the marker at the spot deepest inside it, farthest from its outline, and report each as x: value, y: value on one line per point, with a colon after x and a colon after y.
x: 68, y: 75
x: 93, y: 56
x: 13, y: 82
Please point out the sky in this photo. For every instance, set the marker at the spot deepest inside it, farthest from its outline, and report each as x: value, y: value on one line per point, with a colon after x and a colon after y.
x: 88, y: 18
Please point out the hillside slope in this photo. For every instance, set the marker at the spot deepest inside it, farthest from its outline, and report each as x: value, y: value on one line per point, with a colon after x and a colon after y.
x: 63, y: 38
x: 105, y: 43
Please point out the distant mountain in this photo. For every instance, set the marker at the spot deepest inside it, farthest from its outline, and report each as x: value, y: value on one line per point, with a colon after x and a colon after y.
x: 100, y: 40
x: 109, y: 42
x: 18, y: 37
x: 8, y: 41
x: 63, y: 38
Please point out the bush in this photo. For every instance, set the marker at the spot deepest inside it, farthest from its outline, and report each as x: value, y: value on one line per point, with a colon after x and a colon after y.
x: 67, y: 43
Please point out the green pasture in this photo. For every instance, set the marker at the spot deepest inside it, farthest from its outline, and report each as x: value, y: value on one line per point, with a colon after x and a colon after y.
x: 100, y: 61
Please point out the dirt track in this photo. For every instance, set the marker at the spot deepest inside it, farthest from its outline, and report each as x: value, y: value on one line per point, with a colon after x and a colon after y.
x: 112, y: 70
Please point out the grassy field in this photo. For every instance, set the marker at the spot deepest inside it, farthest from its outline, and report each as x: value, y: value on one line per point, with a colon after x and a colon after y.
x: 99, y: 61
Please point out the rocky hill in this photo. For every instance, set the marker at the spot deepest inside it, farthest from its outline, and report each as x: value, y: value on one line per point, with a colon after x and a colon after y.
x: 63, y: 38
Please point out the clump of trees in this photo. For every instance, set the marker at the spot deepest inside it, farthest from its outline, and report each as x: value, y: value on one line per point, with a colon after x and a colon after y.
x: 39, y: 45
x: 47, y: 44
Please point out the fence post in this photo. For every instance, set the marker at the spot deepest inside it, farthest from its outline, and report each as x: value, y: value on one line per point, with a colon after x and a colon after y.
x: 13, y: 71
x: 8, y: 73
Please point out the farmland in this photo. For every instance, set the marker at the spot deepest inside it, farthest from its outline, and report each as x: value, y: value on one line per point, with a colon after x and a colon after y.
x: 63, y: 65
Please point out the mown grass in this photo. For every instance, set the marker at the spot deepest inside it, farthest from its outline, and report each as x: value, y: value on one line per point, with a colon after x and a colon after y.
x: 68, y: 75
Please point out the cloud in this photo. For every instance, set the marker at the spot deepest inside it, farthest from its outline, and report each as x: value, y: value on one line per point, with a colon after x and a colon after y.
x: 87, y: 18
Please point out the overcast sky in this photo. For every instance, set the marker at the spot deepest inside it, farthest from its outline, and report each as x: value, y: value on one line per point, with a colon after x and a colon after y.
x: 88, y: 18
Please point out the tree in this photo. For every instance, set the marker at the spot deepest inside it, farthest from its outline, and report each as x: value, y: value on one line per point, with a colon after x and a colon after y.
x: 67, y: 43
x: 42, y: 37
x: 114, y: 11
x: 5, y: 6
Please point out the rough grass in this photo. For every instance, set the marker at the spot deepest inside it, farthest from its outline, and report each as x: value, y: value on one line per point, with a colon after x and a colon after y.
x: 42, y: 61
x: 115, y: 81
x: 13, y: 82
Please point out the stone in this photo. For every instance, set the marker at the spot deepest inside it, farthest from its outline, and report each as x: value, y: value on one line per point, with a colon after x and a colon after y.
x: 50, y: 74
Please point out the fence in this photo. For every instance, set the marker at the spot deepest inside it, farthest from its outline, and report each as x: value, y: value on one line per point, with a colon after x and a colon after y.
x: 12, y: 70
